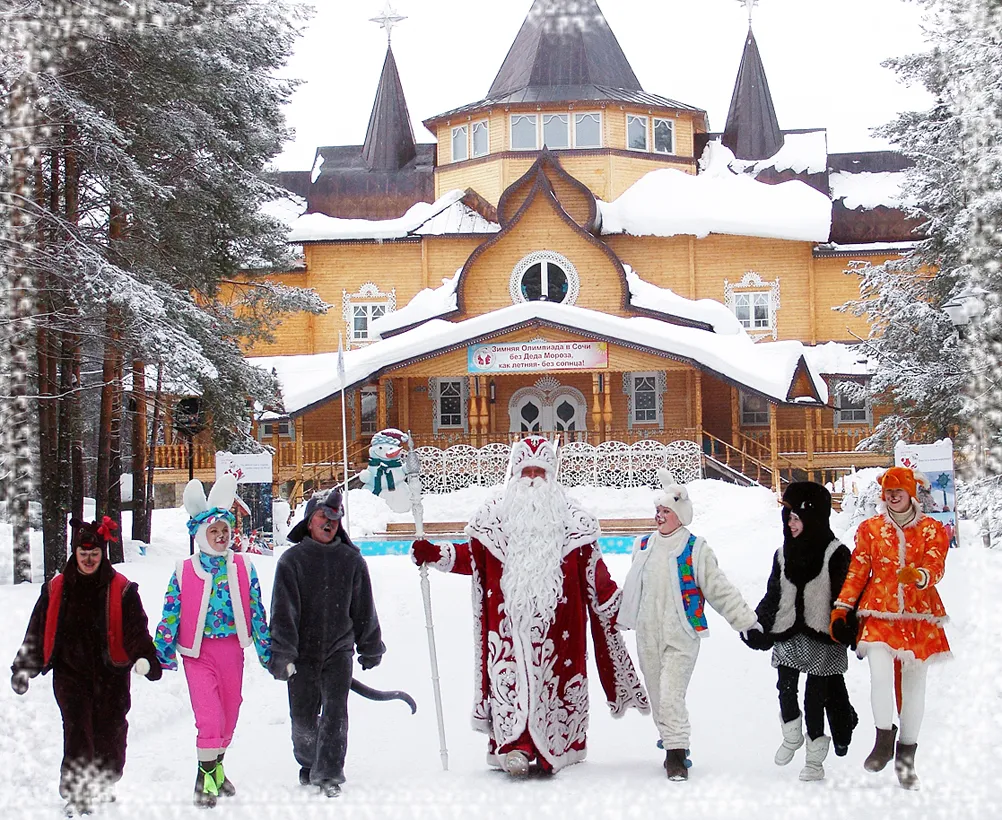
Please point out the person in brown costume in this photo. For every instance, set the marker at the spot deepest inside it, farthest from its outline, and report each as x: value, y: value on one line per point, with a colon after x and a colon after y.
x: 88, y: 626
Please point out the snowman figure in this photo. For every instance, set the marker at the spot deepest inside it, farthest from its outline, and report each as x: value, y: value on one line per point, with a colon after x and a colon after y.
x: 385, y: 476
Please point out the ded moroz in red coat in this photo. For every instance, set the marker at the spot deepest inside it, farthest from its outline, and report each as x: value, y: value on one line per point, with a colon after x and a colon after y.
x: 537, y: 680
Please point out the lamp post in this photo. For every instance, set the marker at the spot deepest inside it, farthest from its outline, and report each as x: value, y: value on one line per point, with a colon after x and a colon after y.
x: 189, y: 420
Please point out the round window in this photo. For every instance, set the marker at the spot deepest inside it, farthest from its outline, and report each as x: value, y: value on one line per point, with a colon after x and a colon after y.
x: 544, y: 276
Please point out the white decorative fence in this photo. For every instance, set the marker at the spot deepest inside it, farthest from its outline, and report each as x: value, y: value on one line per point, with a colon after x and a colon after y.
x: 609, y: 464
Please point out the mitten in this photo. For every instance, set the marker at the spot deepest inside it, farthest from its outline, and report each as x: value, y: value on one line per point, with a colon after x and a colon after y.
x: 282, y: 671
x: 837, y: 621
x: 141, y: 666
x: 756, y: 638
x: 19, y: 682
x: 425, y: 552
x: 909, y: 575
x: 369, y: 661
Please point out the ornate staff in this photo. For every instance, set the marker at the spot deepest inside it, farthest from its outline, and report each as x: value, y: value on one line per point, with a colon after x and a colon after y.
x: 412, y: 470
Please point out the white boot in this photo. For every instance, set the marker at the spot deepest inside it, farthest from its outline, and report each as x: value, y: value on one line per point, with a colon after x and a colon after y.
x: 793, y: 739
x: 817, y: 751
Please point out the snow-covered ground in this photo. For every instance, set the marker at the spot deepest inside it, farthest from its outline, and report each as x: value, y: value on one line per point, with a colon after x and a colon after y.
x: 393, y: 766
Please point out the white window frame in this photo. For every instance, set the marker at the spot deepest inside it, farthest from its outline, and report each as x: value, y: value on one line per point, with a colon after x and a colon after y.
x: 485, y: 124
x: 574, y: 120
x: 658, y: 378
x: 866, y: 411
x: 465, y: 142
x: 753, y: 418
x: 751, y: 282
x: 754, y: 299
x: 511, y: 129
x: 369, y: 293
x: 541, y: 140
x: 544, y: 257
x: 437, y: 385
x: 369, y: 318
x: 373, y: 425
x: 647, y: 129
x: 654, y: 131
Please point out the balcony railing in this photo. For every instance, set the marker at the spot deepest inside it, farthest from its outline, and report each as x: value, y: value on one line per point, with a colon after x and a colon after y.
x: 840, y: 440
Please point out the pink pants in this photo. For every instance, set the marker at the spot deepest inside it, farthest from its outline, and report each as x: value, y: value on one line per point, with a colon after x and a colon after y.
x: 215, y: 679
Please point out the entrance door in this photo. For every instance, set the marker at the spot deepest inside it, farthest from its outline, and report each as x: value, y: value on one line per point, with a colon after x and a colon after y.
x: 527, y: 415
x: 568, y: 414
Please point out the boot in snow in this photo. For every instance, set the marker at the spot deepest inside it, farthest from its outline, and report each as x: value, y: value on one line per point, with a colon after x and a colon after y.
x: 516, y: 763
x: 817, y: 751
x: 330, y: 789
x: 904, y: 765
x: 206, y: 790
x: 883, y: 750
x: 304, y: 776
x: 223, y: 784
x: 677, y: 764
x: 793, y: 739
x: 842, y: 739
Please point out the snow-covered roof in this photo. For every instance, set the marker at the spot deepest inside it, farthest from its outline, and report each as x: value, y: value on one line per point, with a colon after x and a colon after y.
x: 426, y: 304
x: 286, y: 209
x: 767, y: 368
x: 447, y: 215
x: 801, y: 153
x: 434, y: 303
x: 838, y: 358
x: 900, y: 247
x: 664, y: 300
x: 667, y: 202
x: 869, y: 189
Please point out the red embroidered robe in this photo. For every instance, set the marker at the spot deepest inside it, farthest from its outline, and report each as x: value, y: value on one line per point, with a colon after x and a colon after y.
x: 538, y: 679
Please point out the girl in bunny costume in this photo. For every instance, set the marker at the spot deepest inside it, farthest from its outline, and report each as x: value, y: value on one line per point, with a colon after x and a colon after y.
x: 212, y: 611
x: 672, y: 575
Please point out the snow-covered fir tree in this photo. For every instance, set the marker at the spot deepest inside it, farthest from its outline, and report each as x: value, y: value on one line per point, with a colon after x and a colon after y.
x: 944, y: 380
x: 151, y: 126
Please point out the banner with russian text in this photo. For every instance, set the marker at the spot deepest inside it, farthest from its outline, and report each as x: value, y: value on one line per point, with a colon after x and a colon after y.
x: 527, y: 357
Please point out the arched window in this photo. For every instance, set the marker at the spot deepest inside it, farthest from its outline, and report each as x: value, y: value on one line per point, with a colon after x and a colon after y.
x: 544, y: 276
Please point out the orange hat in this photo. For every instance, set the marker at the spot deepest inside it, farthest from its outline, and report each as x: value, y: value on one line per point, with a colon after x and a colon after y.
x: 901, y: 478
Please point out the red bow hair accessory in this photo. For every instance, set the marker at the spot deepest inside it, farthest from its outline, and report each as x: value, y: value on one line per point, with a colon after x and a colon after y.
x: 107, y: 527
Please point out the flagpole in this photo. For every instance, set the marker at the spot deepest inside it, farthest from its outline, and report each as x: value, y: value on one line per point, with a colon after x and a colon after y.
x: 344, y: 430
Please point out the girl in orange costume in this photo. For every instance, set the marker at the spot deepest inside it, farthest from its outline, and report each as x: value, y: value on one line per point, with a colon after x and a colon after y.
x: 899, y: 558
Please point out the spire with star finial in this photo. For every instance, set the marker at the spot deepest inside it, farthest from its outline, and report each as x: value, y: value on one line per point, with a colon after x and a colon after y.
x: 750, y: 5
x: 387, y: 19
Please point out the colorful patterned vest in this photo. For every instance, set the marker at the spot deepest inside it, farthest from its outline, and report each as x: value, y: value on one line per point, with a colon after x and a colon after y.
x: 692, y: 595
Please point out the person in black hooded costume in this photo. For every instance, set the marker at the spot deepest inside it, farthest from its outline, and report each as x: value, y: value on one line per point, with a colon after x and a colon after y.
x: 321, y: 610
x: 89, y: 628
x: 807, y: 575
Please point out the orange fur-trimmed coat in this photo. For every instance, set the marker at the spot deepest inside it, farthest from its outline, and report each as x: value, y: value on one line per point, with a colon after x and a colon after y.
x: 906, y: 618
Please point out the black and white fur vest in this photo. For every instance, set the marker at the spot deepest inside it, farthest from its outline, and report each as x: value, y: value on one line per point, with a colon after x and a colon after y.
x: 803, y: 608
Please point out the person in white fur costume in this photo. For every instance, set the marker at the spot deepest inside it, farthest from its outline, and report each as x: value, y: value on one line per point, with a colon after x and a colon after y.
x: 672, y: 575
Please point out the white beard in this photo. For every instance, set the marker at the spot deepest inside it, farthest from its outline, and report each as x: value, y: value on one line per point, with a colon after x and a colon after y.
x: 532, y: 519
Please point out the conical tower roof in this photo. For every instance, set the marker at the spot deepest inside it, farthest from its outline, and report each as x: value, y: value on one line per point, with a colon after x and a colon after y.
x: 752, y: 130
x: 564, y: 43
x: 389, y: 141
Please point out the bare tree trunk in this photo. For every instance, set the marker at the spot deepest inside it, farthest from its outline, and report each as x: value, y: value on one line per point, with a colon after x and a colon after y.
x: 139, y: 531
x: 47, y: 356
x: 152, y: 460
x: 78, y: 483
x: 116, y: 551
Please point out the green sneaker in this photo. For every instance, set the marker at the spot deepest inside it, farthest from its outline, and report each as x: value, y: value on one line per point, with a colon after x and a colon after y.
x: 206, y: 790
x: 224, y: 787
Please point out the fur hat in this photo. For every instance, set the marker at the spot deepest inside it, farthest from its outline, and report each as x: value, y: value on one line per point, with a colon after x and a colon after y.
x: 332, y: 505
x: 534, y: 451
x: 901, y: 478
x: 674, y: 496
x: 205, y: 511
x: 811, y: 502
x: 92, y: 535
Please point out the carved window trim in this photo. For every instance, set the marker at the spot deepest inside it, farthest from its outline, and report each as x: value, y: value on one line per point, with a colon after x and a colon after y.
x: 368, y: 294
x: 436, y: 404
x: 537, y: 257
x: 629, y: 388
x: 752, y: 282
